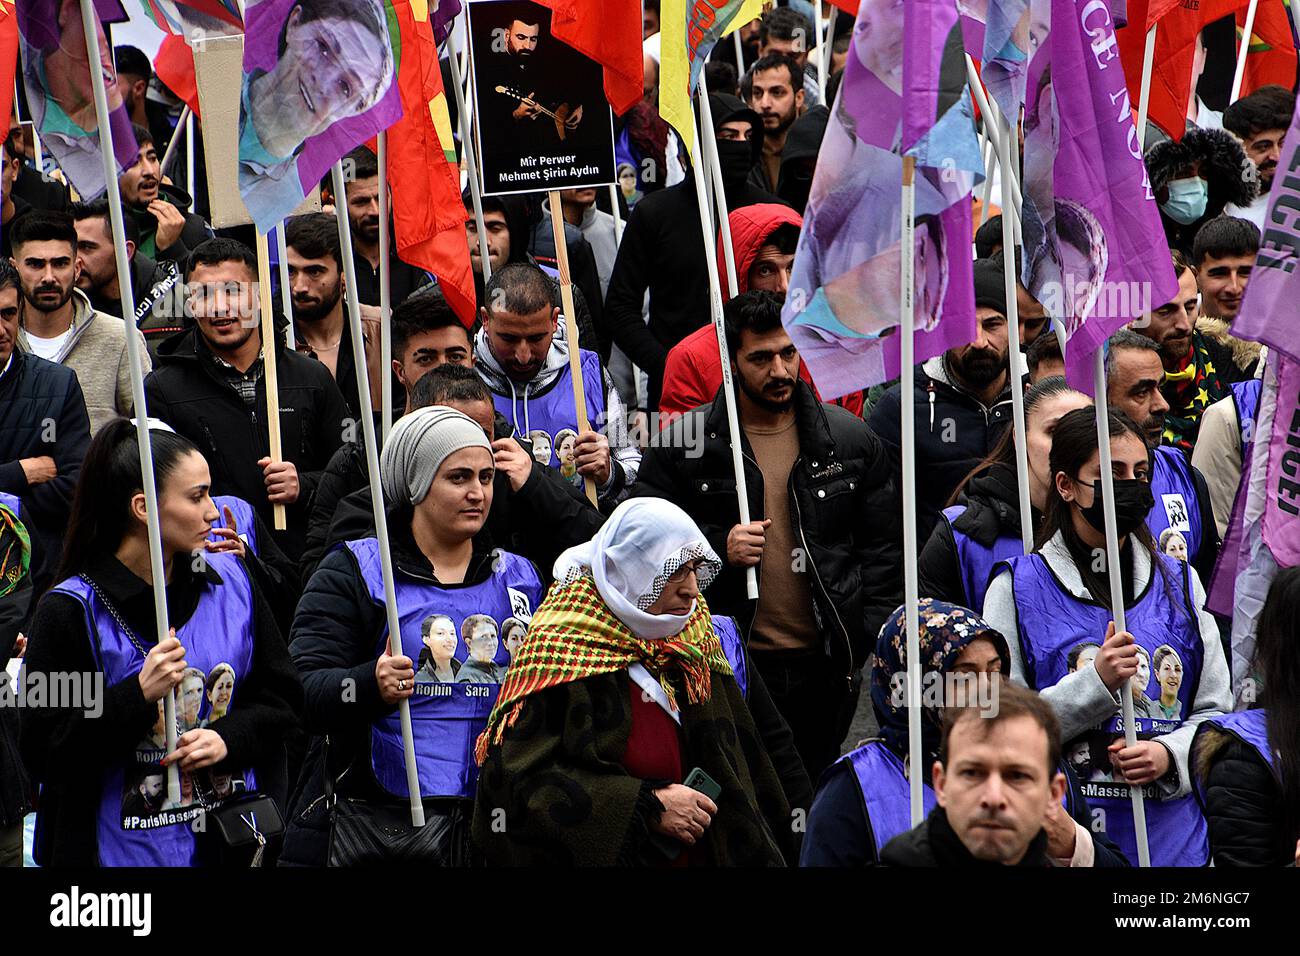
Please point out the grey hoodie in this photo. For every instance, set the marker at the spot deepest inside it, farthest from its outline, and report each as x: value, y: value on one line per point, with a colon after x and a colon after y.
x: 625, y: 456
x: 1080, y: 699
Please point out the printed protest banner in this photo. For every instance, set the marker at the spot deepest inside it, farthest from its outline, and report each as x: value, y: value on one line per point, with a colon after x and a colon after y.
x: 542, y: 120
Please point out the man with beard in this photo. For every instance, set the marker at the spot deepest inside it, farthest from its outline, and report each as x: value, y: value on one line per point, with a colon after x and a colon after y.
x: 774, y: 90
x: 963, y: 405
x: 824, y: 534
x: 320, y: 325
x: 1182, y: 498
x: 167, y: 232
x: 362, y: 187
x: 537, y: 77
x: 59, y: 323
x: 1198, y: 370
x: 1260, y: 121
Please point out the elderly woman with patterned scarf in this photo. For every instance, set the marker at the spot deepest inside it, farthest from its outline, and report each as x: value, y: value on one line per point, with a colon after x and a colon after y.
x: 624, y: 686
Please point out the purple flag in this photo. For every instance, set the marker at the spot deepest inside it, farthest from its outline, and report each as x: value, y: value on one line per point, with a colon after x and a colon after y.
x: 316, y: 85
x: 903, y: 92
x: 56, y: 75
x: 1006, y: 49
x: 1094, y: 253
x: 442, y: 16
x: 1268, y: 309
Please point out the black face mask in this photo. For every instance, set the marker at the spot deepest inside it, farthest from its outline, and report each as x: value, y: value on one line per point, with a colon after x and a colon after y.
x: 1133, y: 502
x: 735, y: 157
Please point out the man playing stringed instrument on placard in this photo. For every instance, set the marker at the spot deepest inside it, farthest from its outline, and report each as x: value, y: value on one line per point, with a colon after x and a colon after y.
x: 525, y: 89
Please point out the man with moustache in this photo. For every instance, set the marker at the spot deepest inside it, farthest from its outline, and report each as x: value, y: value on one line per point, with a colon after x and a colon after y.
x: 823, y: 534
x: 1198, y: 370
x: 529, y: 69
x: 1260, y: 121
x: 362, y: 188
x: 167, y: 232
x: 774, y: 90
x: 963, y: 404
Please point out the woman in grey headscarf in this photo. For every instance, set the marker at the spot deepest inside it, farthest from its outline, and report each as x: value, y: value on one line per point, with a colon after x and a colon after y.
x: 436, y: 469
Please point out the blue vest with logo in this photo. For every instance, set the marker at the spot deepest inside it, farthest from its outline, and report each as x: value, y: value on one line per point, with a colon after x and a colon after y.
x: 729, y: 635
x: 1052, y: 623
x: 976, y: 561
x: 1248, y: 726
x: 245, y: 520
x: 12, y: 502
x: 552, y: 412
x: 1175, y: 494
x: 886, y: 791
x: 135, y: 827
x: 452, y: 700
x: 1245, y: 395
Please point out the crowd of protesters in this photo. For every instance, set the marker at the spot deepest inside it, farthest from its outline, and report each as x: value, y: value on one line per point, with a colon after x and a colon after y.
x: 582, y: 673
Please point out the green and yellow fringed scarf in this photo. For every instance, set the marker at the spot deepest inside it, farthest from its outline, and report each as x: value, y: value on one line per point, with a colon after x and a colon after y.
x: 15, y: 551
x: 574, y: 635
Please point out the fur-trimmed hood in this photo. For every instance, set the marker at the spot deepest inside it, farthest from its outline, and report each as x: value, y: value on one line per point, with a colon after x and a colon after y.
x: 1224, y: 166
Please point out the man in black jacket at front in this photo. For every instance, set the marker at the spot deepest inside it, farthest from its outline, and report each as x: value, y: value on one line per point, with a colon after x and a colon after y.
x: 662, y: 250
x: 824, y: 536
x: 963, y: 405
x: 44, y: 434
x: 209, y: 385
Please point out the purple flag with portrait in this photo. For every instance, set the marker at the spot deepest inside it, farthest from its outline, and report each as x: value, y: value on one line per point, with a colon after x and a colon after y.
x: 1268, y: 308
x: 1094, y: 252
x: 319, y: 80
x: 56, y: 76
x: 903, y: 92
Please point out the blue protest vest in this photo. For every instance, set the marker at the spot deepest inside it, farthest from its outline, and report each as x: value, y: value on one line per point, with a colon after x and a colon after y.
x: 245, y: 520
x: 976, y: 561
x: 12, y: 502
x: 552, y: 412
x: 1052, y: 623
x: 454, y: 689
x: 734, y: 648
x: 1245, y: 395
x: 1175, y: 494
x: 1248, y: 726
x: 135, y: 827
x: 886, y: 791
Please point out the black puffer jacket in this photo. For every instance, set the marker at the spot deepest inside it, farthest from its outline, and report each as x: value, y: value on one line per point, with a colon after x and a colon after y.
x: 1228, y: 175
x: 1242, y: 801
x: 841, y: 501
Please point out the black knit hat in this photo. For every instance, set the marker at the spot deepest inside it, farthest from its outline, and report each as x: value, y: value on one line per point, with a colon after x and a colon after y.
x: 990, y: 287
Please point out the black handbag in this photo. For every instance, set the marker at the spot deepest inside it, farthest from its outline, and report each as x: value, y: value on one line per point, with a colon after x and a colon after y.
x: 246, y: 822
x: 370, y: 833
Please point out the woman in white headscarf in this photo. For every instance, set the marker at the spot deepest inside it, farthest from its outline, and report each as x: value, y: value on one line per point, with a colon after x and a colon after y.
x: 437, y: 471
x: 624, y: 686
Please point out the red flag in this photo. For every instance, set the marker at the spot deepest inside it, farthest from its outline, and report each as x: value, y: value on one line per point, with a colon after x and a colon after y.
x: 1271, y: 56
x: 1177, y: 24
x: 8, y: 59
x: 423, y: 175
x: 174, y: 66
x: 848, y: 6
x: 608, y: 31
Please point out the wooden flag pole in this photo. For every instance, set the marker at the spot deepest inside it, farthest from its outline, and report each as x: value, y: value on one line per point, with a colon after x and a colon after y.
x: 911, y: 606
x: 376, y: 489
x: 269, y: 372
x: 1116, y: 586
x: 709, y: 137
x: 720, y: 328
x: 1010, y: 258
x: 471, y: 163
x: 286, y: 293
x: 385, y: 297
x: 571, y: 328
x: 1244, y: 52
x: 1144, y: 91
x: 90, y: 27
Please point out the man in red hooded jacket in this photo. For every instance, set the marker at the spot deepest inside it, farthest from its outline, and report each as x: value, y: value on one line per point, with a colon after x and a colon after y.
x: 764, y: 238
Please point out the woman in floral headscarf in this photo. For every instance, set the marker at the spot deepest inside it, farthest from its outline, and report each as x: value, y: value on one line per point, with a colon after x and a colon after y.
x: 864, y: 798
x: 623, y: 686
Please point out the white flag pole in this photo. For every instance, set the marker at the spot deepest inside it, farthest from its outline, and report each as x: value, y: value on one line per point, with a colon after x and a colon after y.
x: 911, y: 608
x: 618, y: 216
x: 169, y: 154
x: 1144, y: 91
x: 1116, y: 587
x: 710, y: 142
x: 818, y: 29
x: 471, y: 163
x: 385, y: 297
x: 1240, y: 74
x: 376, y: 490
x: 1010, y: 259
x: 90, y: 26
x: 189, y: 156
x: 286, y: 293
x: 719, y: 326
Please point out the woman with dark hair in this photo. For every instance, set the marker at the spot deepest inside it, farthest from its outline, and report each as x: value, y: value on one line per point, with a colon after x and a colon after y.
x: 981, y: 526
x: 1246, y: 765
x: 1059, y: 597
x: 99, y: 619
